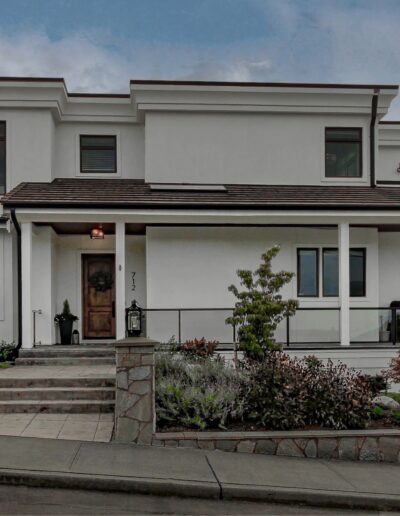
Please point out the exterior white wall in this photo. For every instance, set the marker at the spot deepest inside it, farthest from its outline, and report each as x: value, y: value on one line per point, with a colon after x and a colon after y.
x: 389, y: 268
x: 193, y: 267
x: 8, y: 298
x: 388, y: 157
x: 244, y: 148
x: 130, y: 149
x: 29, y: 145
x: 68, y: 271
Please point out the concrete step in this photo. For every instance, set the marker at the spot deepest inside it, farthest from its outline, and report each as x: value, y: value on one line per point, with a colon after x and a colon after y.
x: 53, y: 352
x: 65, y: 360
x: 57, y: 406
x: 58, y: 393
x: 40, y: 383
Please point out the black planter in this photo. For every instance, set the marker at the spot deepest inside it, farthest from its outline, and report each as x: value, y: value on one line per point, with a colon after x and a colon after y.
x: 66, y: 331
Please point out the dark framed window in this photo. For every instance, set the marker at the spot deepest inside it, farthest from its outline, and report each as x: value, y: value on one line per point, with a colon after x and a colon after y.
x: 343, y: 152
x: 307, y: 272
x: 2, y: 158
x: 98, y: 154
x: 358, y: 264
x: 330, y: 272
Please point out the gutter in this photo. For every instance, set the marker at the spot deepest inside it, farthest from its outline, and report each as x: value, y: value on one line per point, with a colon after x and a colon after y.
x: 19, y: 275
x: 374, y: 108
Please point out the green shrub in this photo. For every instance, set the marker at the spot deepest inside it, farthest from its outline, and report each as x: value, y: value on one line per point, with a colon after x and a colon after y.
x: 201, y: 393
x: 8, y: 351
x: 396, y: 416
x: 285, y: 393
x: 378, y: 412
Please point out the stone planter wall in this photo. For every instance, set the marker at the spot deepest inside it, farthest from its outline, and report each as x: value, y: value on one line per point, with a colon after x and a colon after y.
x: 366, y: 445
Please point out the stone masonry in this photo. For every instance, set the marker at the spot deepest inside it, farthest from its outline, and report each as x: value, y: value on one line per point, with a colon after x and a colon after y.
x: 134, y: 403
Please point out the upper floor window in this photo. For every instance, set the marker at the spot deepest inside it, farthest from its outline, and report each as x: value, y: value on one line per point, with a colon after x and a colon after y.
x: 2, y: 158
x: 98, y: 154
x: 343, y: 152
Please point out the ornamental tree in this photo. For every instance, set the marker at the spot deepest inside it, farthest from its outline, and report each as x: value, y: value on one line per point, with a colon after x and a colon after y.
x: 260, y: 307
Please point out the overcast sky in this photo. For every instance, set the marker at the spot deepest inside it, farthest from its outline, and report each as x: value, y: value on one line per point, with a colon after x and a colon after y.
x: 98, y: 45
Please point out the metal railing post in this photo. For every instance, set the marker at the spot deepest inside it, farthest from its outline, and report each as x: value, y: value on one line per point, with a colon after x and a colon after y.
x: 394, y: 326
x: 287, y: 331
x: 179, y: 327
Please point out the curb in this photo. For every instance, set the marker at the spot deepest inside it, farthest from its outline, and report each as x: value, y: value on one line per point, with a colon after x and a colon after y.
x: 207, y: 490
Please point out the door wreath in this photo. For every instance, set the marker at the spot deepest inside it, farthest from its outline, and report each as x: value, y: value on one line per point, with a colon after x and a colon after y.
x: 101, y: 281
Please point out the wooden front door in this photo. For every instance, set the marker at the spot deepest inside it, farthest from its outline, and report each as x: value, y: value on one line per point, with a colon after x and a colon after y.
x: 98, y: 285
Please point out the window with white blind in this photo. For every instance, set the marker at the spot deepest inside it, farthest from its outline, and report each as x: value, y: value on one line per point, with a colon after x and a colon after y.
x: 98, y: 154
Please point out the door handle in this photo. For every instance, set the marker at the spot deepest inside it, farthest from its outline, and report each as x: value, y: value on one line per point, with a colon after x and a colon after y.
x: 113, y: 308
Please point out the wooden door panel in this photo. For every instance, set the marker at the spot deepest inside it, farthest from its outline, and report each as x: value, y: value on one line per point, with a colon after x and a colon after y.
x: 98, y: 305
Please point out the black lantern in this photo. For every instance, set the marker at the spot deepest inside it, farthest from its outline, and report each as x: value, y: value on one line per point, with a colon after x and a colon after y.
x: 133, y: 320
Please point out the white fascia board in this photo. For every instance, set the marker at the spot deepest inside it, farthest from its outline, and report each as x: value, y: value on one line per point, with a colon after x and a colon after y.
x: 192, y: 216
x: 230, y: 98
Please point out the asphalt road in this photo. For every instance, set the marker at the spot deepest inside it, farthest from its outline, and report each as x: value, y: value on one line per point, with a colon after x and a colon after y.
x: 34, y: 501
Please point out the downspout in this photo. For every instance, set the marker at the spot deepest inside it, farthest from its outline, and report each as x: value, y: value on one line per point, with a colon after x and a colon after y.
x: 19, y: 275
x: 374, y: 109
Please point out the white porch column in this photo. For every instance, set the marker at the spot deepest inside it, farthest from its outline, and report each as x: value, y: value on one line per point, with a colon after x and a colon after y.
x: 344, y: 282
x: 26, y: 279
x: 120, y: 279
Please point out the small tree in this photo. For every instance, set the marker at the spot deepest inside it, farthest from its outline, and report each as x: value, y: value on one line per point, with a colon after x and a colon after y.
x: 260, y: 307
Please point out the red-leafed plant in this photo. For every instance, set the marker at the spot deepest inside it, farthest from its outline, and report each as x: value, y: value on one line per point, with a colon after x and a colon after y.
x: 199, y: 347
x: 394, y: 369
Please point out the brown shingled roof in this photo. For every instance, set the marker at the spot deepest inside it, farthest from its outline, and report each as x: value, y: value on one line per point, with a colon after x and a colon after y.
x: 131, y: 193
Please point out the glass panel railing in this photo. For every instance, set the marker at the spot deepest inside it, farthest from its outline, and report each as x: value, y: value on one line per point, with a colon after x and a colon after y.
x: 315, y: 325
x: 370, y: 325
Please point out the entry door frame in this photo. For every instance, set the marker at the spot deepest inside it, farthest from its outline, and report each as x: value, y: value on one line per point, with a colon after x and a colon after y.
x: 79, y: 288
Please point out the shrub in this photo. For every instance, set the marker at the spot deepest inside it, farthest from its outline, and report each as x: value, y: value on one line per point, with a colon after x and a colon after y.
x: 199, y: 347
x: 8, y: 351
x: 260, y: 307
x: 394, y: 369
x: 377, y: 383
x: 285, y: 393
x: 202, y: 393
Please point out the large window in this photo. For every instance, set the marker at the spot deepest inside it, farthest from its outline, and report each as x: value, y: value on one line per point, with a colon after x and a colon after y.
x: 330, y: 272
x: 343, y: 152
x: 98, y: 154
x: 2, y: 158
x: 307, y: 272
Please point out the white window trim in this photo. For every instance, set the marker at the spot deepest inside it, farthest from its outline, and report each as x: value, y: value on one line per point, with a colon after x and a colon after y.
x: 365, y: 158
x: 331, y: 300
x: 97, y: 132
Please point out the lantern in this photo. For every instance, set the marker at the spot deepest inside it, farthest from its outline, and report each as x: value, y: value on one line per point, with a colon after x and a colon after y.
x: 133, y: 320
x: 75, y: 337
x: 97, y: 233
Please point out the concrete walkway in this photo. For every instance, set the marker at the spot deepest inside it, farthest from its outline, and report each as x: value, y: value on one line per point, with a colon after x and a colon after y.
x: 197, y: 473
x: 83, y: 427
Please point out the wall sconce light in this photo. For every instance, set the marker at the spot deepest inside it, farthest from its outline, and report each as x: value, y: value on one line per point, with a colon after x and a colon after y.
x: 398, y: 169
x: 97, y: 233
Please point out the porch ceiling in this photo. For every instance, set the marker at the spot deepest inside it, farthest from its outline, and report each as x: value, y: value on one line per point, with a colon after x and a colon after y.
x: 84, y: 228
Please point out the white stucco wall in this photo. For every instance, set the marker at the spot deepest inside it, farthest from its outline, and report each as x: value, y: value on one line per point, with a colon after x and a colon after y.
x: 243, y: 147
x: 29, y: 137
x: 130, y: 149
x: 8, y: 296
x: 193, y: 267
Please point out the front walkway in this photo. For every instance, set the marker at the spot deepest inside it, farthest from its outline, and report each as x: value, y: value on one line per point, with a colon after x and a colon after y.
x: 83, y: 427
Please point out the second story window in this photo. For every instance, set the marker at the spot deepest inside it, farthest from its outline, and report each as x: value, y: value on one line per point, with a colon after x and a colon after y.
x: 2, y: 158
x: 98, y: 154
x: 343, y: 152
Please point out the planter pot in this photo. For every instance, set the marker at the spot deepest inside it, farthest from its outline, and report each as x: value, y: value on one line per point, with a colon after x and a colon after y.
x: 66, y: 331
x: 384, y: 336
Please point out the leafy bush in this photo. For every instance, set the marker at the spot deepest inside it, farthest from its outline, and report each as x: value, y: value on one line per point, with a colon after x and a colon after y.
x: 199, y: 347
x: 202, y: 393
x: 394, y: 369
x: 378, y: 412
x: 377, y: 382
x: 8, y: 351
x: 285, y: 393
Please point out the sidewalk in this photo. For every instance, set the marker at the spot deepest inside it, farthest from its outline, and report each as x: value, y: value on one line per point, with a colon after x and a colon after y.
x: 197, y: 473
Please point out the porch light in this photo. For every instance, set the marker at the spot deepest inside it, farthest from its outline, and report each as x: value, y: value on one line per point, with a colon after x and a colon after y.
x: 133, y: 320
x: 97, y: 233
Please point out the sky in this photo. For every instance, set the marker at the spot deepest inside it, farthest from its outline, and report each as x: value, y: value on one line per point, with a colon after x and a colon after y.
x: 99, y: 45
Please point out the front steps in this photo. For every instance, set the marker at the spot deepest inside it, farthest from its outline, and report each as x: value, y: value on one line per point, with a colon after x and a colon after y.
x: 67, y: 355
x: 60, y: 379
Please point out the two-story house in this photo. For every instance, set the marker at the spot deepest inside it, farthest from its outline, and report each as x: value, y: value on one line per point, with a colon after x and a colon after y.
x: 168, y: 190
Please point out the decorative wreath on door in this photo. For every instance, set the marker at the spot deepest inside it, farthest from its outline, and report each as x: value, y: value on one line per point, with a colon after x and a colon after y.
x: 101, y: 281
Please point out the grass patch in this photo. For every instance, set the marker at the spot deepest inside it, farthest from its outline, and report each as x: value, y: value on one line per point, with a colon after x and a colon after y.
x: 394, y: 395
x: 4, y: 365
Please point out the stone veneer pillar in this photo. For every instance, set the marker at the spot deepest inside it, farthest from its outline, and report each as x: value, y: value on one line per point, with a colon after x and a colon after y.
x: 134, y: 403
